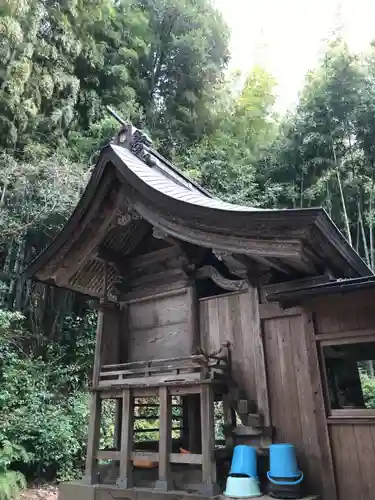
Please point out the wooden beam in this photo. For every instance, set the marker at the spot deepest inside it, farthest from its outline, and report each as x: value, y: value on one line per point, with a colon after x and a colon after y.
x: 294, y: 284
x: 107, y: 255
x: 164, y: 482
x: 269, y: 311
x: 93, y: 438
x: 92, y: 234
x: 252, y: 246
x: 98, y: 349
x: 256, y: 334
x: 208, y: 442
x: 220, y: 280
x: 126, y: 468
x: 188, y: 458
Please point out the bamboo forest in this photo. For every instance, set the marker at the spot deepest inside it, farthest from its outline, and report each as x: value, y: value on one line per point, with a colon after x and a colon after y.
x: 163, y: 65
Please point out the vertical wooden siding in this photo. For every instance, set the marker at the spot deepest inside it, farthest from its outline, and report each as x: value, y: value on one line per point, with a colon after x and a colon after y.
x: 160, y: 326
x: 235, y: 318
x: 111, y: 337
x: 296, y: 399
x: 342, y: 313
x: 353, y: 448
x: 353, y: 442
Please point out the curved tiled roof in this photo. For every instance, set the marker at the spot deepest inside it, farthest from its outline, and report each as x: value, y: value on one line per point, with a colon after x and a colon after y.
x: 166, y: 198
x: 179, y: 190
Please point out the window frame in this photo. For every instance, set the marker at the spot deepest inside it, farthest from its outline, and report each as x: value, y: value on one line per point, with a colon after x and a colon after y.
x: 341, y: 414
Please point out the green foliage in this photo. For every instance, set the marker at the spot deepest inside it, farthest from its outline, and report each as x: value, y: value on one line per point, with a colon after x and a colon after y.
x: 368, y: 389
x: 323, y: 155
x: 11, y: 481
x: 225, y: 161
x: 43, y: 402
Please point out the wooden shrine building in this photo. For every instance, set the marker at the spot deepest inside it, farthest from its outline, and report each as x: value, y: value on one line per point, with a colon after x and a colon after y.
x: 212, y: 313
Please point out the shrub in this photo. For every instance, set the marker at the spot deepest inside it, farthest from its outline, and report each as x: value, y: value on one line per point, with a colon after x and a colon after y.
x: 368, y: 389
x: 43, y: 400
x: 11, y: 481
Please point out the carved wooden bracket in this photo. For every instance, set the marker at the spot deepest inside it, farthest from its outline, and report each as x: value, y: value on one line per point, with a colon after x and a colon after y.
x: 220, y: 280
x: 126, y: 215
x: 159, y: 234
x: 235, y: 266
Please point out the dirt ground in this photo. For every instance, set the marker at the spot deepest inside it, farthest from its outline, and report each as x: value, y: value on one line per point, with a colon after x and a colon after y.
x: 40, y: 493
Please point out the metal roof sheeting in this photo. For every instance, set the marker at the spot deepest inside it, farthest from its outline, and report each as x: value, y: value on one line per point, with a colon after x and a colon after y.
x: 165, y: 185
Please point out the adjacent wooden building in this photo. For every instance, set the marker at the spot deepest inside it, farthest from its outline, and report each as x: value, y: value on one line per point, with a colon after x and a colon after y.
x: 207, y: 310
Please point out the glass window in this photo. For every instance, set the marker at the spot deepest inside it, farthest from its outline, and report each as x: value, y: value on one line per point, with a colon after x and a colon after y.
x: 350, y: 372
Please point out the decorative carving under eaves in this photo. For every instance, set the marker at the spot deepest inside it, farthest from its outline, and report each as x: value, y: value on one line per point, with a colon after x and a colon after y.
x: 220, y: 280
x: 159, y: 234
x: 221, y: 254
x: 235, y: 267
x: 127, y: 215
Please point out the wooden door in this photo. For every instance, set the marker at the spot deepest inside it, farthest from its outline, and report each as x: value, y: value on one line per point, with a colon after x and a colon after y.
x: 295, y: 393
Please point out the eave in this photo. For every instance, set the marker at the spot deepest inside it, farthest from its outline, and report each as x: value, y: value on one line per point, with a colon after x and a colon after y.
x: 303, y: 240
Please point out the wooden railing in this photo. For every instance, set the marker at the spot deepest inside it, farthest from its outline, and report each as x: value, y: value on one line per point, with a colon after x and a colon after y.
x: 191, y: 369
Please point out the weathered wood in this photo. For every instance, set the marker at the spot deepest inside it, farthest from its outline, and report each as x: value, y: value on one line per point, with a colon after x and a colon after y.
x: 145, y: 455
x: 353, y: 413
x: 220, y: 280
x: 293, y: 376
x: 93, y: 439
x: 197, y: 358
x: 164, y: 482
x: 344, y: 334
x: 153, y: 380
x: 108, y: 455
x: 193, y: 316
x: 319, y: 410
x: 113, y: 330
x: 208, y: 441
x: 185, y: 458
x: 258, y: 358
x: 269, y: 311
x: 353, y: 450
x: 98, y: 348
x: 125, y: 472
x: 161, y: 325
x: 149, y: 291
x: 194, y: 422
x: 293, y: 285
x: 83, y: 250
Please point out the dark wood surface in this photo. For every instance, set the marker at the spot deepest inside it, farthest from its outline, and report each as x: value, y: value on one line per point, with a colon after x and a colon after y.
x: 160, y: 327
x: 296, y: 398
x: 353, y: 449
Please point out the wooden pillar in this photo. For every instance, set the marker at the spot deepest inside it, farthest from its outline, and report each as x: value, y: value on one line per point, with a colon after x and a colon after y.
x: 194, y: 423
x: 117, y: 424
x: 98, y: 348
x: 229, y: 420
x: 208, y: 441
x: 99, y: 330
x: 93, y: 438
x: 126, y: 466
x: 165, y: 440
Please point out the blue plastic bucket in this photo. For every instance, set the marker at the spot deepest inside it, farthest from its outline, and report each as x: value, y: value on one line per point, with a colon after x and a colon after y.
x: 242, y: 487
x: 283, y: 465
x: 244, y: 461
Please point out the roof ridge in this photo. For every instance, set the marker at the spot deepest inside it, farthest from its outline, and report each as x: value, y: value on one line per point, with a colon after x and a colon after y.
x: 140, y: 145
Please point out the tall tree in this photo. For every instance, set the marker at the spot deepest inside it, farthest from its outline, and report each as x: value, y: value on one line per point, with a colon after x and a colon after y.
x: 179, y: 73
x: 225, y: 161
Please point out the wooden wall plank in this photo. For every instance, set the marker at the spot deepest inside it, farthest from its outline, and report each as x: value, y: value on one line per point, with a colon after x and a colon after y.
x: 110, y: 345
x: 162, y: 327
x: 296, y: 399
x: 366, y: 458
x: 235, y: 318
x: 352, y: 311
x: 353, y: 449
